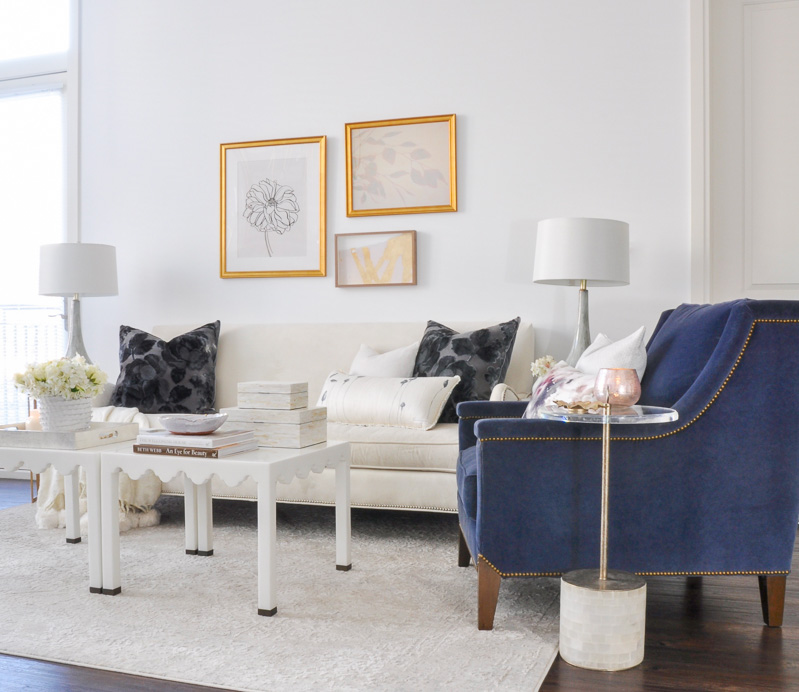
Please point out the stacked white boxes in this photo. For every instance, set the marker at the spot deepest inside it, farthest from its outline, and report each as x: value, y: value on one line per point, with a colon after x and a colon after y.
x: 278, y: 414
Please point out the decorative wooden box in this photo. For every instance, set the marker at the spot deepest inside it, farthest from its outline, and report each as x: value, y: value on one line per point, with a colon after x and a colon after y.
x: 273, y: 395
x: 294, y: 428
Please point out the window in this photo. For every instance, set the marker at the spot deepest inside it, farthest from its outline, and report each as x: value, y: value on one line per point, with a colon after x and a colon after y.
x: 34, y: 131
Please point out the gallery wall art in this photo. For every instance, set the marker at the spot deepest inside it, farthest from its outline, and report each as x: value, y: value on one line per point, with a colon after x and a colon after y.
x: 386, y: 258
x: 272, y: 208
x: 405, y: 166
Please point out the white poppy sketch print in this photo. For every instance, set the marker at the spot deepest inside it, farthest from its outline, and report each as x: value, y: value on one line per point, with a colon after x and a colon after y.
x: 273, y: 208
x: 401, y: 166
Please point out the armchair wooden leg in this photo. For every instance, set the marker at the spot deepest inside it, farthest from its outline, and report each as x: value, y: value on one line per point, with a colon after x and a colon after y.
x: 487, y: 594
x: 772, y: 598
x: 464, y: 556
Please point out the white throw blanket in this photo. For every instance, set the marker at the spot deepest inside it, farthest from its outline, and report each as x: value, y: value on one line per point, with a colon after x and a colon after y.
x: 136, y: 498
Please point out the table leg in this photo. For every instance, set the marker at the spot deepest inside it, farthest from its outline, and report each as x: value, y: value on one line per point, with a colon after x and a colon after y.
x: 267, y: 543
x: 95, y: 528
x: 205, y: 519
x: 72, y: 505
x: 603, y: 526
x: 343, y: 527
x: 109, y: 491
x: 190, y: 514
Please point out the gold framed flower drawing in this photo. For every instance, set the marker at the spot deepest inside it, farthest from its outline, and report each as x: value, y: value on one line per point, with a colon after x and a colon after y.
x: 272, y: 208
x: 405, y: 166
x: 382, y: 258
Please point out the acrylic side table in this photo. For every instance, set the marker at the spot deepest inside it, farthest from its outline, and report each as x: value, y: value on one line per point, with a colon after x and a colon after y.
x: 603, y: 612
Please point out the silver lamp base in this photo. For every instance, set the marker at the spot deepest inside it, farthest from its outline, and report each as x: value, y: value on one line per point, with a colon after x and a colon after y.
x: 75, y: 345
x: 583, y: 335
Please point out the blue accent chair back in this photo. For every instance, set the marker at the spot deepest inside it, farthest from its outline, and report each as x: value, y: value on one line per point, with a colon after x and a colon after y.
x: 716, y: 492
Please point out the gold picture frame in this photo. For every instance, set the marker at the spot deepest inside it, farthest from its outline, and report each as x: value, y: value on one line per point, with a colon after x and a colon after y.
x: 382, y: 258
x: 405, y: 166
x: 272, y: 219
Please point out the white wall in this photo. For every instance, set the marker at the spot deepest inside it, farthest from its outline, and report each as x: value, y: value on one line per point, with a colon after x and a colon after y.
x: 564, y: 108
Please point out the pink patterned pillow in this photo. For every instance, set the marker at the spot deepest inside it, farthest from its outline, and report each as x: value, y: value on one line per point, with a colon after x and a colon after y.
x: 561, y: 382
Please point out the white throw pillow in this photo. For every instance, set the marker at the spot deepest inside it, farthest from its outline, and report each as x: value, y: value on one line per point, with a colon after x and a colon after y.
x: 562, y: 383
x: 401, y: 402
x: 396, y: 363
x: 629, y: 352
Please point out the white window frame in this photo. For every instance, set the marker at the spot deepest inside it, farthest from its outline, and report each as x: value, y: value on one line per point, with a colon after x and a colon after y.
x: 60, y: 70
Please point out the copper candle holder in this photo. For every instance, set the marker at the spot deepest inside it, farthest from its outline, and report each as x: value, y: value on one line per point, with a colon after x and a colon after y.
x: 618, y: 386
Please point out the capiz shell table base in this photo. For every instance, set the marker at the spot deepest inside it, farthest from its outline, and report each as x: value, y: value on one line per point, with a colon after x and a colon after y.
x: 267, y: 467
x: 602, y: 621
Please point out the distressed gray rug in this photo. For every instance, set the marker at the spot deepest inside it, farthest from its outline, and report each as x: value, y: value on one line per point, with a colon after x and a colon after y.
x: 404, y: 618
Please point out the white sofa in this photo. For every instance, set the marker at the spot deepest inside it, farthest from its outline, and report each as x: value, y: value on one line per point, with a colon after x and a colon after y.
x: 392, y: 468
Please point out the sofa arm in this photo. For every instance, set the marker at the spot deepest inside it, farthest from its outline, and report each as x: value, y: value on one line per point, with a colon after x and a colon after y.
x: 469, y: 412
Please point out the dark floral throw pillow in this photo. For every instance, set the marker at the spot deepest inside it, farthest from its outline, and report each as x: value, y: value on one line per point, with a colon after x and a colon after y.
x: 481, y: 358
x: 175, y: 376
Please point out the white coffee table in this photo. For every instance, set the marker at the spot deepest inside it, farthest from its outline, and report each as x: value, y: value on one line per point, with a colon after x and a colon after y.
x: 266, y: 466
x: 68, y: 462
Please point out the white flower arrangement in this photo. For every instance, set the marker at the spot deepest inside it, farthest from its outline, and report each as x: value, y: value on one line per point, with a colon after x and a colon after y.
x: 542, y: 366
x: 69, y: 378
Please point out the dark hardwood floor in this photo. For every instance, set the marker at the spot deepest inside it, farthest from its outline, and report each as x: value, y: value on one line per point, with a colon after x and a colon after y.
x: 702, y: 634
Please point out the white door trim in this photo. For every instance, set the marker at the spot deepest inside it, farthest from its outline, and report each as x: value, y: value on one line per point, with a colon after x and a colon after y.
x: 700, y: 161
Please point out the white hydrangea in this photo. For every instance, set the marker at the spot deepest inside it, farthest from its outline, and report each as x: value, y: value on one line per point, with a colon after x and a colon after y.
x: 70, y: 378
x: 542, y: 366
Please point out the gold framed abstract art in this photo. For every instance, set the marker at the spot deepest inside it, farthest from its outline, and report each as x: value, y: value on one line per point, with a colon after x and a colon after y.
x: 405, y: 166
x: 384, y: 258
x: 272, y: 208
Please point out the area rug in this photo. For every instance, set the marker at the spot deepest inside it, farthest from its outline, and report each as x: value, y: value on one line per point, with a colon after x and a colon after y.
x: 404, y: 618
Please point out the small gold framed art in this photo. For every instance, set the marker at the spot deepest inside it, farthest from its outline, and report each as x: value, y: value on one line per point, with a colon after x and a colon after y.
x: 385, y: 258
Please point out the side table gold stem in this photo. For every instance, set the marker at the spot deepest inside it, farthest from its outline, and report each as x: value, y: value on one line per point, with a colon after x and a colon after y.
x: 603, y: 531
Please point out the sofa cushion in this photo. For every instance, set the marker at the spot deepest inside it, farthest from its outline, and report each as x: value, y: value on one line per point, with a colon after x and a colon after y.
x: 396, y: 363
x: 403, y: 402
x: 680, y: 348
x: 466, y: 475
x: 175, y: 376
x: 406, y: 449
x: 480, y: 357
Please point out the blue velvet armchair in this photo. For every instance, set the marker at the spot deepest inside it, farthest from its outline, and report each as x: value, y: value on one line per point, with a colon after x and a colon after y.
x: 716, y: 492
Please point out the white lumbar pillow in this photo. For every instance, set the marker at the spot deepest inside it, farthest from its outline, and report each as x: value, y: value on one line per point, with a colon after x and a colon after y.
x: 629, y: 352
x: 401, y: 402
x: 396, y: 363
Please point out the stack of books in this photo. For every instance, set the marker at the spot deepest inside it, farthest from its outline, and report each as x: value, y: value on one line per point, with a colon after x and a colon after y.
x: 212, y: 446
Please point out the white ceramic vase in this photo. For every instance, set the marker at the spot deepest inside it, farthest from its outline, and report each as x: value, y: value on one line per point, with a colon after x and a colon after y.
x: 65, y: 415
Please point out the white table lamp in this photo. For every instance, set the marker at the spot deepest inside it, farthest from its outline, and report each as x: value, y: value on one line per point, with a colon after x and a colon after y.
x: 582, y: 252
x: 73, y: 270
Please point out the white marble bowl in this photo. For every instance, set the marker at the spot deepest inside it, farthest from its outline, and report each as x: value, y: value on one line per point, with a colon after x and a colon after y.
x: 192, y: 424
